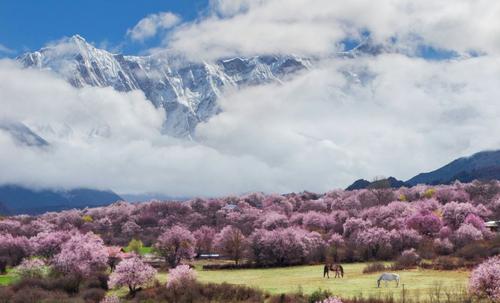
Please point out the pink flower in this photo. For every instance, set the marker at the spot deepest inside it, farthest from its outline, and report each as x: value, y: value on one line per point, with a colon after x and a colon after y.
x: 331, y: 300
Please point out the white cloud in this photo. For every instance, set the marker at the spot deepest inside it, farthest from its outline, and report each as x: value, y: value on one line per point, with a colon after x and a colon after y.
x: 4, y: 49
x: 101, y: 138
x: 149, y: 26
x: 322, y: 130
x: 317, y: 132
x: 315, y: 28
x: 341, y: 120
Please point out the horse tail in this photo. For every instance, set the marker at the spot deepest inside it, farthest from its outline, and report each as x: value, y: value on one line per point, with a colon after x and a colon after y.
x: 341, y: 270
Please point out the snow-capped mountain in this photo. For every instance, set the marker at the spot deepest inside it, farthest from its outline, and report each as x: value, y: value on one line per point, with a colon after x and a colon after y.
x: 22, y: 134
x: 188, y: 91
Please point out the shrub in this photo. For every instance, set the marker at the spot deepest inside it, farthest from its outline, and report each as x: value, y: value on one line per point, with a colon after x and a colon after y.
x: 374, y: 267
x: 319, y: 295
x: 3, y: 265
x: 6, y: 294
x: 408, y: 259
x: 29, y: 295
x: 99, y: 280
x: 32, y: 268
x: 426, y: 249
x: 110, y: 299
x: 474, y: 251
x: 181, y: 276
x: 198, y: 292
x: 331, y: 300
x: 443, y: 246
x: 135, y: 245
x: 448, y: 263
x: 485, y: 279
x: 93, y: 294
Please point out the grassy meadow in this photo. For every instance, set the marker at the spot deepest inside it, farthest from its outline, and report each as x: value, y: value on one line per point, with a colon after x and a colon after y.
x: 418, y: 283
x: 7, y: 278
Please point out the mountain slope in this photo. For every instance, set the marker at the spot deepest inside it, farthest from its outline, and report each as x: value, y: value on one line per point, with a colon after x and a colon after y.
x: 482, y: 165
x: 22, y: 134
x: 390, y: 182
x: 188, y: 91
x: 21, y: 200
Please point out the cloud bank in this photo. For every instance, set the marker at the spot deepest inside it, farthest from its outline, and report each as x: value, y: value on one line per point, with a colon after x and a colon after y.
x: 391, y: 114
x: 149, y: 26
x: 249, y: 27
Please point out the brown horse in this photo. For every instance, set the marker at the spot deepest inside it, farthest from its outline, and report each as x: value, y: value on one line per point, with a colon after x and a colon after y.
x: 337, y: 268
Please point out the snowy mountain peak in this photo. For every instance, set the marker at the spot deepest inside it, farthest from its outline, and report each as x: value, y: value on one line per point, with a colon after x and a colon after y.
x: 188, y: 91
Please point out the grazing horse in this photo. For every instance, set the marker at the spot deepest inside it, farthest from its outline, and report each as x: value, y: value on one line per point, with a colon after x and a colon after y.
x: 388, y: 277
x: 326, y: 270
x: 337, y: 268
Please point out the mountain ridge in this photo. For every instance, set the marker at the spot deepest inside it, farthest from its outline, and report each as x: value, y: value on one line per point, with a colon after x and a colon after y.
x: 483, y: 166
x: 16, y: 199
x: 187, y: 91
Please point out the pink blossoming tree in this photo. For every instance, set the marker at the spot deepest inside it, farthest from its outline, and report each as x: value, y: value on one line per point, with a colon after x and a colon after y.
x: 485, y: 280
x: 132, y: 273
x: 82, y: 255
x: 176, y: 244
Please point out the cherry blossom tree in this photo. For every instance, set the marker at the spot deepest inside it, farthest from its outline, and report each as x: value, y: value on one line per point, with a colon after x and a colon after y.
x: 466, y: 234
x: 454, y: 214
x: 13, y: 249
x: 204, y: 237
x: 132, y: 273
x: 320, y: 222
x: 402, y: 239
x: 176, y: 244
x: 48, y: 244
x: 374, y: 242
x: 273, y: 220
x: 484, y: 281
x: 231, y: 242
x: 82, y: 255
x: 426, y: 222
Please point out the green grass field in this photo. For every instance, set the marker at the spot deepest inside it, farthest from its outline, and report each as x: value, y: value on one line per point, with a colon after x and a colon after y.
x: 7, y: 278
x: 307, y: 279
x: 144, y: 250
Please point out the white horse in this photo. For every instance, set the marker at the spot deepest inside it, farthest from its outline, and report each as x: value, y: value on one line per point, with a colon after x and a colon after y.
x: 388, y: 277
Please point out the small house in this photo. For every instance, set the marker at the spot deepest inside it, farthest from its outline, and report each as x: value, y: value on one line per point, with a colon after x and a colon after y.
x: 493, y: 225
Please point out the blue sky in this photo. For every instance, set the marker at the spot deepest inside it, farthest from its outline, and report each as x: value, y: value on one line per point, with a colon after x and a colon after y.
x: 29, y: 24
